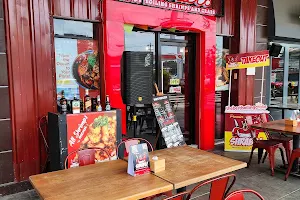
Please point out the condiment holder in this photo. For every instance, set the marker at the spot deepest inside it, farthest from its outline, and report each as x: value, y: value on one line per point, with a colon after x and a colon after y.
x: 157, y: 164
x: 290, y: 122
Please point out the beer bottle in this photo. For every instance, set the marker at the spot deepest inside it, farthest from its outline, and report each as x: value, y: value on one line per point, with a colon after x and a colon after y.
x: 99, y: 107
x: 107, y: 103
x: 63, y: 103
x: 87, y: 102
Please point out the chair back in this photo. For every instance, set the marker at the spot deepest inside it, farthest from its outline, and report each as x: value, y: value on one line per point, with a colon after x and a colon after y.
x: 239, y: 195
x: 86, y: 156
x: 255, y: 132
x: 180, y: 196
x: 219, y: 187
x: 132, y: 141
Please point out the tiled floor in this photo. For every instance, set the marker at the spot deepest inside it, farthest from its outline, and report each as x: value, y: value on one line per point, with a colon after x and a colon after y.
x: 257, y: 177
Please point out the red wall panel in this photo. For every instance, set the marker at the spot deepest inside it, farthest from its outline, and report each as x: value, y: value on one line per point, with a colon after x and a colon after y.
x: 61, y: 8
x: 225, y: 24
x: 21, y: 80
x: 80, y: 9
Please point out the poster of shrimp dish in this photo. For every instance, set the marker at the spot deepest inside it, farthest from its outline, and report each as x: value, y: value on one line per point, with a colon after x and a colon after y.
x: 92, y: 130
x: 238, y: 131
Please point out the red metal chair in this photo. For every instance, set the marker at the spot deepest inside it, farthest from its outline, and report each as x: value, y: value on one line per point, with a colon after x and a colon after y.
x: 132, y: 141
x: 269, y: 145
x: 295, y: 154
x: 180, y: 196
x: 239, y: 195
x: 86, y: 156
x: 218, y: 188
x: 282, y: 138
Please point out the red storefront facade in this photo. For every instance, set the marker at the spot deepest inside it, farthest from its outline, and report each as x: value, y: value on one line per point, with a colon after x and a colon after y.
x: 31, y: 62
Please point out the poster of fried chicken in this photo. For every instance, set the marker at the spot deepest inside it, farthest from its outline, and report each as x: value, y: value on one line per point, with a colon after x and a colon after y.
x: 92, y: 130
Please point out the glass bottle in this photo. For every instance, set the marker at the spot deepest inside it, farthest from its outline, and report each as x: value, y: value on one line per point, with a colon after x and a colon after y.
x: 87, y: 102
x: 107, y: 103
x: 63, y: 103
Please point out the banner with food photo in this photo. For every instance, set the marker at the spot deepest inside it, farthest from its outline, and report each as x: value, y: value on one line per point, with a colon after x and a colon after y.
x: 238, y: 131
x: 77, y: 67
x: 92, y: 130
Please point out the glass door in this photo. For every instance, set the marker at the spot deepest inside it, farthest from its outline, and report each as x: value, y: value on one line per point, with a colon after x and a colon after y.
x: 176, y: 77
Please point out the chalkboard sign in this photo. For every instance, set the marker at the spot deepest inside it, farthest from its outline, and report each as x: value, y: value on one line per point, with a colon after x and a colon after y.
x: 169, y: 127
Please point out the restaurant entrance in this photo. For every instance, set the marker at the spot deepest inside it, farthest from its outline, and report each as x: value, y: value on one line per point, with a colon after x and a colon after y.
x: 174, y: 73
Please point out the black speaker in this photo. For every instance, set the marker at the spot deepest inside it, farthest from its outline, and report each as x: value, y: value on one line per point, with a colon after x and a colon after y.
x: 275, y: 50
x: 136, y: 77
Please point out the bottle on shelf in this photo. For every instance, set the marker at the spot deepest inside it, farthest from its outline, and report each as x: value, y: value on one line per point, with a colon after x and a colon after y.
x: 75, y: 104
x: 63, y: 103
x: 107, y: 103
x: 99, y: 107
x: 87, y: 102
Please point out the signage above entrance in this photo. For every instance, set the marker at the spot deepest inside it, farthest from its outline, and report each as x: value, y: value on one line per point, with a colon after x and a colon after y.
x: 202, y: 7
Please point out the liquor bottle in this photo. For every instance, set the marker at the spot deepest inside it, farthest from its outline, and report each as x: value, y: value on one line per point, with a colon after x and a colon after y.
x: 107, y: 103
x: 99, y: 107
x: 87, y: 102
x: 75, y: 104
x: 63, y: 103
x: 94, y: 104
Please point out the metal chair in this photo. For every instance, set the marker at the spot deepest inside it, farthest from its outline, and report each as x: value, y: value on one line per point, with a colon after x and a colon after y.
x: 295, y: 155
x: 282, y: 138
x: 269, y: 145
x: 132, y: 141
x: 218, y: 188
x: 180, y: 196
x: 239, y: 195
x: 86, y: 156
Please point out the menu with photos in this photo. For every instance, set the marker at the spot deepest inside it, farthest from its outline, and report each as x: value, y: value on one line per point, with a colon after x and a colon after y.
x: 138, y: 160
x: 166, y: 119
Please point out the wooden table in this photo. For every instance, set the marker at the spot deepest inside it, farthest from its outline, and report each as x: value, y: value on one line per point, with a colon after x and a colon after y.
x: 186, y: 165
x: 105, y: 181
x: 279, y: 126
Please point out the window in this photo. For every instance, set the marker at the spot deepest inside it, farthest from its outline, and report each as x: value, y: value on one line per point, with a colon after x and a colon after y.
x: 284, y: 77
x: 76, y: 58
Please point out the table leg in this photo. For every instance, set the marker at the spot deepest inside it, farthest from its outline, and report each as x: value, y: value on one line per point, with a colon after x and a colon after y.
x: 179, y: 190
x: 296, y: 144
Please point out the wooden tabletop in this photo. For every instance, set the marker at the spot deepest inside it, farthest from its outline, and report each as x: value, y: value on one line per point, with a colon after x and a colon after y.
x: 278, y: 126
x: 186, y: 165
x: 105, y: 181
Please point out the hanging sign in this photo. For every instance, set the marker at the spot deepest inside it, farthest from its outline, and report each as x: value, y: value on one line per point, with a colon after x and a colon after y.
x: 202, y: 7
x: 247, y: 60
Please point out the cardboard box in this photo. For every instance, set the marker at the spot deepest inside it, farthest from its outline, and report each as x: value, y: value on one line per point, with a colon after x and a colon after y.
x: 157, y: 165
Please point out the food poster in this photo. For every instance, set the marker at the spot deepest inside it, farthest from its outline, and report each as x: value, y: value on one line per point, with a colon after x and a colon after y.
x: 222, y: 76
x: 97, y: 129
x: 168, y: 124
x: 77, y: 67
x: 238, y: 133
x: 138, y: 160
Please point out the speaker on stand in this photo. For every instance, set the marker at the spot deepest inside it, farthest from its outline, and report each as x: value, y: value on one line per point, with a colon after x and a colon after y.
x: 137, y: 80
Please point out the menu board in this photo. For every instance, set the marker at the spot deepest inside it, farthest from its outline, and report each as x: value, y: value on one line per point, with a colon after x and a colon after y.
x: 170, y: 128
x: 138, y: 160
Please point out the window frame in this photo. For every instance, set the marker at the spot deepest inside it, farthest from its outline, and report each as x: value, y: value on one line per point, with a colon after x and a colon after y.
x: 286, y: 58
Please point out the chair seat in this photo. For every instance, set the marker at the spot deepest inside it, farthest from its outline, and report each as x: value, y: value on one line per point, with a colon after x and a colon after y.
x: 296, y: 150
x: 265, y: 143
x: 282, y: 139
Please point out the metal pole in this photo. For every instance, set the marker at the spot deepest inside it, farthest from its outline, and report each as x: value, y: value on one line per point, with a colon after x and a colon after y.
x: 230, y: 75
x: 262, y: 84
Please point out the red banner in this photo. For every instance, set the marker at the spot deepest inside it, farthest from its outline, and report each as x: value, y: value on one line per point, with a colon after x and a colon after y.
x: 96, y: 129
